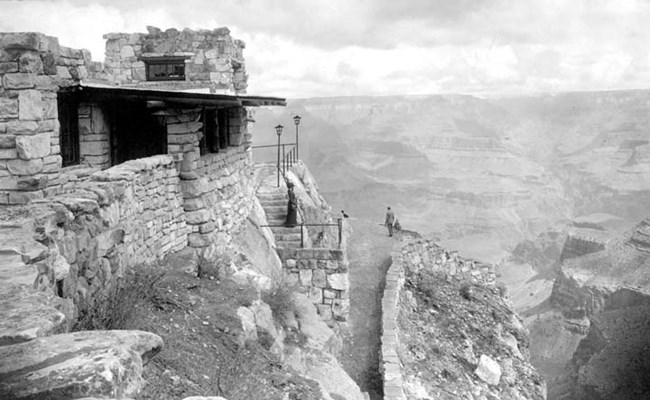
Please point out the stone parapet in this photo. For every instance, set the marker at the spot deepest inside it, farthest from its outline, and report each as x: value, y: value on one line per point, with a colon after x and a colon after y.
x: 391, y: 366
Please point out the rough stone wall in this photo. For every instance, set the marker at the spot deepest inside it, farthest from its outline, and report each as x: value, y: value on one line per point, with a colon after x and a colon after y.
x: 218, y: 197
x: 390, y: 362
x: 33, y: 67
x: 213, y: 57
x: 323, y: 274
x: 418, y: 254
x: 113, y: 220
x: 94, y: 139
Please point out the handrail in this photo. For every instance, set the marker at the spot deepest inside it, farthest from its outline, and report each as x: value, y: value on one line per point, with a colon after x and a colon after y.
x: 269, y: 145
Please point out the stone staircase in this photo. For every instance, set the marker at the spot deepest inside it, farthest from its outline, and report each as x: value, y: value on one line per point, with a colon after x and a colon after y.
x: 274, y: 202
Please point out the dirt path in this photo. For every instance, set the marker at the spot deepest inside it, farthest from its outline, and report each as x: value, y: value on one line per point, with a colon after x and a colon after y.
x: 369, y: 254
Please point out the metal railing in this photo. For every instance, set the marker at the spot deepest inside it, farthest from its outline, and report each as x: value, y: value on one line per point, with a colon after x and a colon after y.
x: 285, y: 159
x: 303, y: 224
x: 339, y: 224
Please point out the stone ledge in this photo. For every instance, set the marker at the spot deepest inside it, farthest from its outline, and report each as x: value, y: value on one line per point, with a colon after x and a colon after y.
x: 81, y: 364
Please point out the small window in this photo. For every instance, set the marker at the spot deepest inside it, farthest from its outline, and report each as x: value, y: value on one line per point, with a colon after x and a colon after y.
x: 216, y: 130
x: 68, y: 129
x: 165, y: 69
x: 209, y: 142
x: 224, y: 128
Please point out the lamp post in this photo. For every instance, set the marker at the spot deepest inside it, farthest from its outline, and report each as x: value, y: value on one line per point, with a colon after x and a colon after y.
x: 296, y: 120
x: 278, y: 131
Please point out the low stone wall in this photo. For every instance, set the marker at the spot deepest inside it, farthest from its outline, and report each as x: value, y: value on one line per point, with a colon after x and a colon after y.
x: 417, y: 254
x: 391, y: 365
x: 110, y: 220
x: 323, y: 274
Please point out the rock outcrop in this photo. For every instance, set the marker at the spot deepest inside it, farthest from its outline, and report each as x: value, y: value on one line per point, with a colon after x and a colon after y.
x: 73, y: 365
x: 454, y: 335
x: 611, y: 288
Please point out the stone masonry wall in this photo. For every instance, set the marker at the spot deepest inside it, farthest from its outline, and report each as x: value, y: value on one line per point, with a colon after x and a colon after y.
x: 417, y: 254
x: 323, y: 274
x: 213, y: 57
x: 94, y: 137
x: 33, y: 67
x: 113, y: 220
x: 218, y: 197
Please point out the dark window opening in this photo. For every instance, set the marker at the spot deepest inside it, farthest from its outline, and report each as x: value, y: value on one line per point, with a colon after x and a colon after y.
x: 165, y: 69
x: 135, y: 132
x: 224, y: 128
x: 216, y: 130
x: 209, y: 143
x: 69, y: 128
x: 59, y: 288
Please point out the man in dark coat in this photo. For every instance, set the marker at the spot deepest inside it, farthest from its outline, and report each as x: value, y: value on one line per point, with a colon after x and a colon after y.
x: 390, y: 219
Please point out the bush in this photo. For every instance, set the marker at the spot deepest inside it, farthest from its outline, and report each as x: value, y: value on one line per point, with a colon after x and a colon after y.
x: 280, y: 299
x: 467, y: 291
x: 114, y: 308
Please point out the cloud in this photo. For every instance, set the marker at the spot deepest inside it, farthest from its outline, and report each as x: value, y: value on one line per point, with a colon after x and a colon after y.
x: 300, y: 48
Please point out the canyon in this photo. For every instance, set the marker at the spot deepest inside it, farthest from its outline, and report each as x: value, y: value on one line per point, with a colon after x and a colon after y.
x: 551, y: 188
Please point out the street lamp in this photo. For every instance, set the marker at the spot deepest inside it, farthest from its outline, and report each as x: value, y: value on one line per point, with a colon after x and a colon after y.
x: 296, y: 120
x: 278, y: 131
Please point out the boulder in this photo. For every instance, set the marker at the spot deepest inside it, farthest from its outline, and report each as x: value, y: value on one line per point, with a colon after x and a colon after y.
x: 326, y: 370
x: 488, y: 370
x: 81, y: 364
x: 318, y: 334
x: 26, y: 315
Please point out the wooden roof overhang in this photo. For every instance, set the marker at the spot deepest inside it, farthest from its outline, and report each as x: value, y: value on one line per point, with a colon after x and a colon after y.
x: 103, y: 92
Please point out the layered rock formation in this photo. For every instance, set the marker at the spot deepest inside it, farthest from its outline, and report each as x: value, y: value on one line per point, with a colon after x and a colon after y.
x: 610, y: 287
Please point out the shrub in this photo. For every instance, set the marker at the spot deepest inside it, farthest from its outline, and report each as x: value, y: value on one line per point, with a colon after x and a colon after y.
x: 467, y: 291
x: 280, y: 299
x: 114, y: 308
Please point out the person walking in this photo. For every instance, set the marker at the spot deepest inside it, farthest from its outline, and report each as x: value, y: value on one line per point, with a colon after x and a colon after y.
x: 292, y: 207
x: 390, y: 219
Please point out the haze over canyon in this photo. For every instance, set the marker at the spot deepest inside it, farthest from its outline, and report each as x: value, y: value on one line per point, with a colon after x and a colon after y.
x: 530, y: 183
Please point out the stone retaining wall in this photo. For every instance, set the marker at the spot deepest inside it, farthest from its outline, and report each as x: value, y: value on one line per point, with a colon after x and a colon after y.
x: 323, y: 274
x: 108, y: 221
x: 418, y: 254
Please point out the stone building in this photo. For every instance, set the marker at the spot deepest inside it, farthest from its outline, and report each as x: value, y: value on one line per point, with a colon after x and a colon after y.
x: 128, y: 160
x: 176, y: 93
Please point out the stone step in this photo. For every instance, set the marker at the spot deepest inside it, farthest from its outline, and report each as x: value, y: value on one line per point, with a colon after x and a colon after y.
x: 285, y: 229
x: 289, y: 244
x: 274, y: 203
x: 275, y: 209
x: 287, y: 237
x: 271, y: 195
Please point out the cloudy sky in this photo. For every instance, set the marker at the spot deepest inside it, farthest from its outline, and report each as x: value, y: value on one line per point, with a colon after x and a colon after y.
x: 309, y: 48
